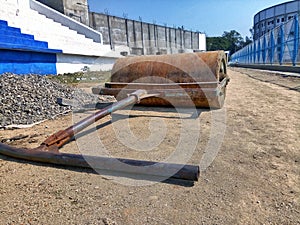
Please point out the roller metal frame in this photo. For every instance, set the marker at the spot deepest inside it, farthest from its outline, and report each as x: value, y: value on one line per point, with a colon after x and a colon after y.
x: 181, y: 80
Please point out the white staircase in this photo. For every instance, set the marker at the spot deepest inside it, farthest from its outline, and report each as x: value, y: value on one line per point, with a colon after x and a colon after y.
x: 19, y: 14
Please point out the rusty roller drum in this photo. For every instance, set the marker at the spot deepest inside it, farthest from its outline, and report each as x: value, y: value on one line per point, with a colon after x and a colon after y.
x: 180, y: 80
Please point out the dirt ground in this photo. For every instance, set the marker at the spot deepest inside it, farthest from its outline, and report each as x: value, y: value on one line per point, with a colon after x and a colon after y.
x: 255, y: 178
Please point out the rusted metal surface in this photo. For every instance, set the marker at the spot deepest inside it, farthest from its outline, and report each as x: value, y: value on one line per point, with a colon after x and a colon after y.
x: 139, y: 167
x: 48, y: 151
x: 177, y: 68
x: 153, y: 86
x: 176, y: 97
x: 210, y: 94
x: 199, y: 74
x: 62, y: 137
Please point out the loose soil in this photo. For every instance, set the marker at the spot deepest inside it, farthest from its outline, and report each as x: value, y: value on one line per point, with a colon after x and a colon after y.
x: 253, y: 180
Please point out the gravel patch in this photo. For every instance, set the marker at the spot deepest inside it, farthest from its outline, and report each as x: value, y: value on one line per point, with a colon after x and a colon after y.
x: 28, y: 99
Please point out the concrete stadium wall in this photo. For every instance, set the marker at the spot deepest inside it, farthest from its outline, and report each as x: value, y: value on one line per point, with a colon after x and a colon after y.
x: 76, y: 9
x: 30, y: 42
x: 140, y: 37
x: 145, y: 38
x: 22, y: 54
x: 64, y: 20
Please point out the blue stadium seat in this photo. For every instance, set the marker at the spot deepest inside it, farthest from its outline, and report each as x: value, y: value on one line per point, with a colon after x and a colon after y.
x: 21, y: 53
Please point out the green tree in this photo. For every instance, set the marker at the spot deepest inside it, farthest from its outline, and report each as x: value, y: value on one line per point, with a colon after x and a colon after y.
x: 217, y: 43
x: 230, y: 41
x: 235, y: 39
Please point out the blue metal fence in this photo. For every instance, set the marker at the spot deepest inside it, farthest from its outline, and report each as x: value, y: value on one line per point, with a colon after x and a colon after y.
x: 279, y: 46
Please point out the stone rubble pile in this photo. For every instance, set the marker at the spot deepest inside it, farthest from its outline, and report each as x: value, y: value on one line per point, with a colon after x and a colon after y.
x: 27, y: 99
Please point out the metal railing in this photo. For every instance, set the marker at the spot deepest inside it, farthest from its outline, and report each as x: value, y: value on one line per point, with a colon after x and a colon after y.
x: 279, y: 46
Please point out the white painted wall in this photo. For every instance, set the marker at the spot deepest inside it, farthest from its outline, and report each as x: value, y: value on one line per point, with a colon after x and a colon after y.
x: 75, y: 63
x: 202, y: 42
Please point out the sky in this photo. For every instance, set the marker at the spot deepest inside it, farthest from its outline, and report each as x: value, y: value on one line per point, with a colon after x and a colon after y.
x: 210, y: 16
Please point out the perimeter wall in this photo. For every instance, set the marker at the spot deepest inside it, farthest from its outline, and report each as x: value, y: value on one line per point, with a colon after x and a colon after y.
x: 146, y: 38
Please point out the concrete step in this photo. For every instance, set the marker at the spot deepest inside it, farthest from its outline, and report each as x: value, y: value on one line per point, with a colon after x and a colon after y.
x: 16, y: 33
x: 22, y: 41
x: 10, y: 29
x: 75, y: 47
x: 19, y: 47
x: 60, y: 40
x: 33, y: 16
x: 3, y: 23
x: 44, y: 31
x: 64, y: 39
x: 31, y: 21
x: 58, y: 36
